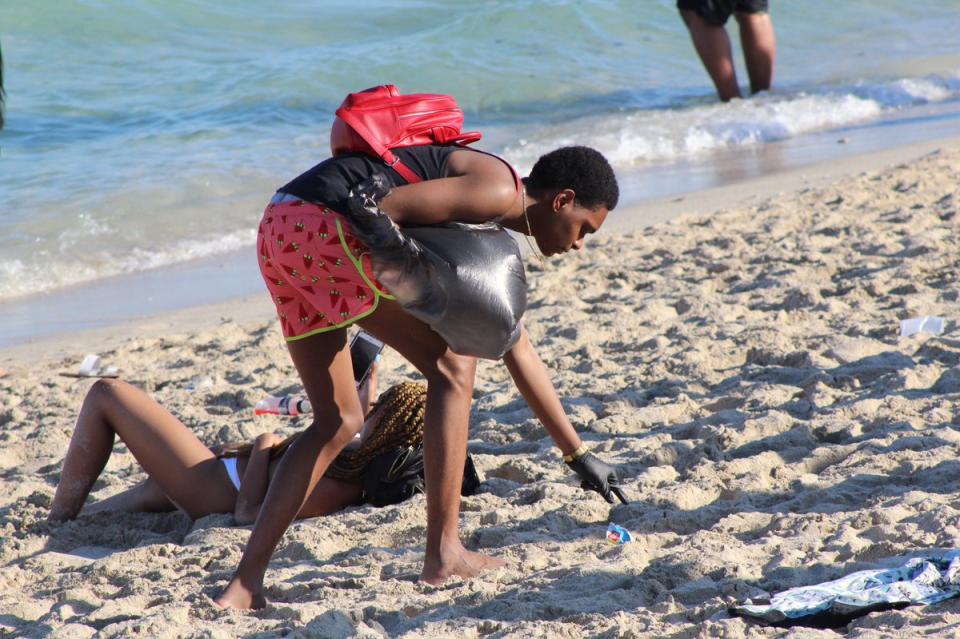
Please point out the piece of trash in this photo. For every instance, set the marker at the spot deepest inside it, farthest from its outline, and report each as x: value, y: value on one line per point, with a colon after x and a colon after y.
x: 618, y: 534
x: 91, y: 366
x: 199, y: 382
x: 286, y: 405
x: 4, y: 372
x: 926, y: 324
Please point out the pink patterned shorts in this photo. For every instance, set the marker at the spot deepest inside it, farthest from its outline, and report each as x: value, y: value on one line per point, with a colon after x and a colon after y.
x: 318, y: 274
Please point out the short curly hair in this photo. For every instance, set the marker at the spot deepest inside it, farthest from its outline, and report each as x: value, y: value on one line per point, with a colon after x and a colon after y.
x: 580, y: 168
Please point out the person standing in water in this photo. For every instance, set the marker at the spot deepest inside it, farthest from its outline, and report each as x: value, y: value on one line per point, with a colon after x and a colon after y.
x: 705, y: 19
x: 321, y: 280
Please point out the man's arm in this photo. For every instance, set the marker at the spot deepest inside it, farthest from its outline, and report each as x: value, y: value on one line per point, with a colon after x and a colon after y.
x: 478, y: 188
x: 534, y: 383
x: 532, y: 379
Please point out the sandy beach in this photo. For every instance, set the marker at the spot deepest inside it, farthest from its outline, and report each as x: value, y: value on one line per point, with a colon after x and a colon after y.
x: 740, y: 364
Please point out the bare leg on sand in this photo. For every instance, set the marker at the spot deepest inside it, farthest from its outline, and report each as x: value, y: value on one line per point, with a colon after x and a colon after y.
x: 324, y: 365
x: 176, y: 460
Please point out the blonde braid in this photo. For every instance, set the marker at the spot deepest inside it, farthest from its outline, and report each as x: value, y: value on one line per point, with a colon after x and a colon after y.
x: 399, y: 424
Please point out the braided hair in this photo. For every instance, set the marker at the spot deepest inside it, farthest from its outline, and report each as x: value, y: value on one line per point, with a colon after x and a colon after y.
x: 398, y: 423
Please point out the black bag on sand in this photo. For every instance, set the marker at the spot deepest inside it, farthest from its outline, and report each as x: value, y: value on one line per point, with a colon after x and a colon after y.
x: 397, y: 475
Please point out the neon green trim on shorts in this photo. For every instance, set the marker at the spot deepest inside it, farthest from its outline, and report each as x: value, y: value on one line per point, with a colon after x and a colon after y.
x: 336, y: 327
x: 358, y: 263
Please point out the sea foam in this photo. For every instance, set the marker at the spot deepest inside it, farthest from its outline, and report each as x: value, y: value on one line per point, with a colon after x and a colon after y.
x: 646, y: 136
x: 24, y: 276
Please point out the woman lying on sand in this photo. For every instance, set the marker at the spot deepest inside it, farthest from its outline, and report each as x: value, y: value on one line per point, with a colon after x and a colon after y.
x: 186, y: 474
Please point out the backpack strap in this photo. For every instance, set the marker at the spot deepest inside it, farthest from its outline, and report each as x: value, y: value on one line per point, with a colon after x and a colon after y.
x: 388, y: 157
x: 391, y: 160
x: 407, y: 174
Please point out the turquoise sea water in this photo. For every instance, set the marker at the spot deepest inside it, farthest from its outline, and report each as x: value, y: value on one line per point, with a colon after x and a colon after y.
x: 143, y: 133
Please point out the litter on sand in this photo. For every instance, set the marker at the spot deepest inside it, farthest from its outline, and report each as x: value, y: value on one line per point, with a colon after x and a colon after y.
x: 926, y: 324
x: 286, y: 405
x: 199, y: 382
x: 91, y: 366
x: 618, y: 534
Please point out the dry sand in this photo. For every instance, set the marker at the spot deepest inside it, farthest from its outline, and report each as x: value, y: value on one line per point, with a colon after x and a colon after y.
x: 742, y: 370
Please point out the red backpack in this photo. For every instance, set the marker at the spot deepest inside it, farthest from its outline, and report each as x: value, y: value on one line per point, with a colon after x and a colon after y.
x: 379, y: 119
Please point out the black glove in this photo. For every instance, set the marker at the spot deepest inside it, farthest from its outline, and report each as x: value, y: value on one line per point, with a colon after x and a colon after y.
x: 598, y: 475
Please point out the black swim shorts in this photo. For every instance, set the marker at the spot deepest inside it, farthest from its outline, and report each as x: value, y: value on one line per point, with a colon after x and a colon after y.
x: 717, y: 12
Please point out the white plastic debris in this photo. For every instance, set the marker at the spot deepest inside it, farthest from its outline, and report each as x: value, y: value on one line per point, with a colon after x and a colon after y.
x: 926, y: 324
x: 90, y: 365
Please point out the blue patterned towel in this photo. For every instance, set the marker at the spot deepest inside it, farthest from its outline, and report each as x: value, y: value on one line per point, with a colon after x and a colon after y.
x: 922, y: 580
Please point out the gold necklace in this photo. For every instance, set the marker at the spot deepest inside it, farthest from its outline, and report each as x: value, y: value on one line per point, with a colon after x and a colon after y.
x: 533, y: 249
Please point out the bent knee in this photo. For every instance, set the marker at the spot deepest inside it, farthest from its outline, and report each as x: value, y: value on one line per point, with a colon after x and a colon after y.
x: 456, y: 372
x: 104, y: 392
x: 105, y: 386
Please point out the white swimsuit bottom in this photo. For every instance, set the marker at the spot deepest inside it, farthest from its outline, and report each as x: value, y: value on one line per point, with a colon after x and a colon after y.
x: 230, y: 463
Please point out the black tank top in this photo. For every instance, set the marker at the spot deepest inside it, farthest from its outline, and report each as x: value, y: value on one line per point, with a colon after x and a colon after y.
x: 330, y: 181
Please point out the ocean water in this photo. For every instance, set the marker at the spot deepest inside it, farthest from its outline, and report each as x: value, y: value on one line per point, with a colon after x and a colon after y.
x: 143, y: 134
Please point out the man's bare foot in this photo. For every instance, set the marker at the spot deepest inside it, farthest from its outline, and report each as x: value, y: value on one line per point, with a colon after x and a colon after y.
x: 457, y: 562
x: 60, y: 514
x: 238, y: 596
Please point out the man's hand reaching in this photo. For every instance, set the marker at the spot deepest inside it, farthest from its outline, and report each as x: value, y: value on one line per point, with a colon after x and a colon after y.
x: 597, y: 475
